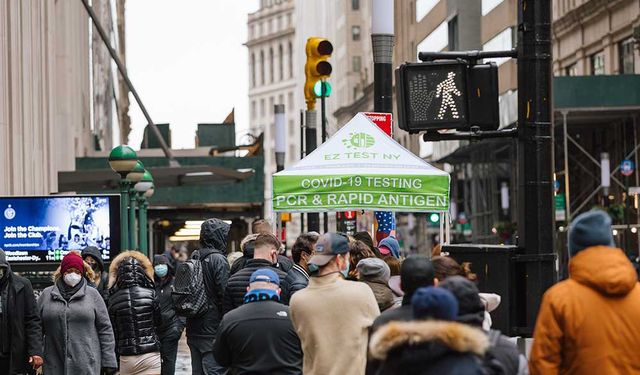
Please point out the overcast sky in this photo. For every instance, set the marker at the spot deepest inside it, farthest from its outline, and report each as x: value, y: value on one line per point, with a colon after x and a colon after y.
x: 187, y: 60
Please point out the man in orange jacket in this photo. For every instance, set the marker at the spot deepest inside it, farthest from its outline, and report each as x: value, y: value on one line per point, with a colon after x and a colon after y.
x: 590, y: 323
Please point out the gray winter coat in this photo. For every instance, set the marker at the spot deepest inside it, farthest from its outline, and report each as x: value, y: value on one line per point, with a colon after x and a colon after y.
x: 78, y: 338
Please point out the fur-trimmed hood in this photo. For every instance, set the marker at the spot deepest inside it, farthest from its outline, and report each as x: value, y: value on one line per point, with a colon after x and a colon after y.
x: 454, y: 337
x: 88, y: 271
x: 140, y: 258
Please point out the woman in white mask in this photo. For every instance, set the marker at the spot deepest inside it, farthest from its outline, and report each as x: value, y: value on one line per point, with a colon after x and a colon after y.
x: 78, y: 338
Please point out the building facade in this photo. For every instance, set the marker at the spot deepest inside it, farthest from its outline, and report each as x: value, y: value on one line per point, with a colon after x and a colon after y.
x: 45, y: 97
x: 272, y: 80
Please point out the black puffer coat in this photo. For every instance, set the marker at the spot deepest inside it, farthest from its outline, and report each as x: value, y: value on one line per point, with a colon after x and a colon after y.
x: 284, y: 264
x: 201, y: 330
x: 135, y: 314
x: 238, y: 283
x: 297, y: 279
x: 171, y: 323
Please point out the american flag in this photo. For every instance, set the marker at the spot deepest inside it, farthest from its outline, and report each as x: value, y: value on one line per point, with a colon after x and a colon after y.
x: 386, y: 223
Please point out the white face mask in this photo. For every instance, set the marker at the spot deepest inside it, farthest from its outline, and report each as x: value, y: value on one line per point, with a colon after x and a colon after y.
x: 72, y: 279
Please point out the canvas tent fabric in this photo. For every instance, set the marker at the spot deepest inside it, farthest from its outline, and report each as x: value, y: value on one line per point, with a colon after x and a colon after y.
x: 361, y: 167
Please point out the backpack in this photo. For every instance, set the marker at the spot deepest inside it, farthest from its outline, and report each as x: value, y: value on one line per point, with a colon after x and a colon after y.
x: 491, y: 364
x: 188, y: 293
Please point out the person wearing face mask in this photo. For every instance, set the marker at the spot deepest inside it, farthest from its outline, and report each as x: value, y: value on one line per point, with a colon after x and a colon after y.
x: 265, y: 254
x: 93, y: 257
x: 78, y: 338
x: 332, y: 315
x: 298, y: 277
x: 170, y: 329
x: 20, y: 331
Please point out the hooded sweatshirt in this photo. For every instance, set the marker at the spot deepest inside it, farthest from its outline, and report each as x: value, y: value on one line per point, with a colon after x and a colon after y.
x: 588, y: 324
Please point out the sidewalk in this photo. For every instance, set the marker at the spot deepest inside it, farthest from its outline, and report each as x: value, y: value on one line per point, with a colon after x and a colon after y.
x: 183, y: 363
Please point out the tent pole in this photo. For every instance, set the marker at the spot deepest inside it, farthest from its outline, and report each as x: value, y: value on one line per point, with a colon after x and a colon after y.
x: 447, y: 224
x: 442, y: 242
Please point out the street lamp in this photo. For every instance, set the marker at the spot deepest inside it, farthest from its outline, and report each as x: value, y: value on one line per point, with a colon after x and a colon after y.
x: 122, y: 160
x: 134, y: 176
x: 144, y: 188
x: 279, y: 121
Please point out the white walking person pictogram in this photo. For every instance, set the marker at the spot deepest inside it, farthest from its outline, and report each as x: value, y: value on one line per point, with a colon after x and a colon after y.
x: 447, y: 89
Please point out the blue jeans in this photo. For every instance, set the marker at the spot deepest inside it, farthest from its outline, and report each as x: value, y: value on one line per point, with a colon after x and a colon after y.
x: 203, y: 362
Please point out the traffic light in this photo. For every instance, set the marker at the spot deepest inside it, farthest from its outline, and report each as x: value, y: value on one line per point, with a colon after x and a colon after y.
x: 434, y: 218
x: 447, y: 95
x: 317, y: 67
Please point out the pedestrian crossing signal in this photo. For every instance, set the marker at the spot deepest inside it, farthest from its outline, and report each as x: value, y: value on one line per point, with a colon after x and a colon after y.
x: 447, y: 95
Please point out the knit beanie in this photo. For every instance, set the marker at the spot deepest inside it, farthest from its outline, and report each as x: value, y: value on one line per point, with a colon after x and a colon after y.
x: 434, y: 303
x: 591, y: 228
x: 470, y: 306
x: 72, y: 260
x: 392, y: 244
x: 373, y: 269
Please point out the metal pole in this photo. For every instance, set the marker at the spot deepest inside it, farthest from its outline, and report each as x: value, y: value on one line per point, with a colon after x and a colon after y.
x: 132, y: 220
x: 535, y: 194
x: 121, y: 68
x: 302, y: 154
x: 313, y: 219
x: 142, y: 224
x: 566, y: 168
x: 323, y: 118
x: 124, y: 214
x: 635, y: 141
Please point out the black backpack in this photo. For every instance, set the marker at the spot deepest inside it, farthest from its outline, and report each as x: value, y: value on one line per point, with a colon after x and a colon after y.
x: 189, y: 294
x: 491, y: 364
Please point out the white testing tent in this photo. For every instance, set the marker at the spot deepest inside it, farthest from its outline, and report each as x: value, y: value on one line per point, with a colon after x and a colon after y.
x: 361, y: 167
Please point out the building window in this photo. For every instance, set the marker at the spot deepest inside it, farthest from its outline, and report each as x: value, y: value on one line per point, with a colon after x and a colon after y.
x: 355, y: 33
x: 271, y: 64
x: 571, y: 70
x: 355, y: 4
x: 501, y: 42
x: 262, y: 108
x: 253, y: 109
x: 488, y: 5
x: 253, y: 69
x: 262, y: 67
x: 597, y: 63
x: 436, y: 41
x: 280, y: 99
x: 290, y: 101
x: 279, y: 23
x: 625, y: 50
x: 453, y: 34
x: 281, y: 62
x: 356, y: 64
x: 290, y: 60
x: 423, y: 7
x: 355, y: 93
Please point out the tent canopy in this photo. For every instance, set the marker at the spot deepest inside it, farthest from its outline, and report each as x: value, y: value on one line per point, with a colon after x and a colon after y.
x: 361, y: 167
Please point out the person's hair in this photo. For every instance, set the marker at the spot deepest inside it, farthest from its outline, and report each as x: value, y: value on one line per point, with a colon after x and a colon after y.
x: 358, y: 250
x: 447, y: 266
x: 260, y: 226
x: 393, y: 263
x: 416, y: 272
x: 304, y: 243
x: 267, y: 239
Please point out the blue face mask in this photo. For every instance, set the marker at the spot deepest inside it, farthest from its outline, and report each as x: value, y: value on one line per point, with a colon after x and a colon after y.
x: 161, y: 270
x: 345, y: 272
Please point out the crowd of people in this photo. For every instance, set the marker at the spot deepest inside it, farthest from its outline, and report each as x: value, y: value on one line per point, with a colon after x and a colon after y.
x: 339, y: 305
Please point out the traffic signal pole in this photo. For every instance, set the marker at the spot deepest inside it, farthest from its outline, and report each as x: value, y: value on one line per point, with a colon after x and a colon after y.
x: 535, y: 190
x: 311, y: 142
x: 323, y: 129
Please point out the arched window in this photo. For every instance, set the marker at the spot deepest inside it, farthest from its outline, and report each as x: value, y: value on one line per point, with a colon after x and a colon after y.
x: 290, y: 60
x: 253, y: 69
x: 262, y: 67
x: 271, y: 64
x: 281, y: 61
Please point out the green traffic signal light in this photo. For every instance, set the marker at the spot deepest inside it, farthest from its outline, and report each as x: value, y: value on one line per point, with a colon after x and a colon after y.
x: 434, y: 218
x: 317, y: 89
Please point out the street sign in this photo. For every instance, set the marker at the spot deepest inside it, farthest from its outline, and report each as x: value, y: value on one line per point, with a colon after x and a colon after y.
x: 634, y: 190
x: 561, y: 207
x: 383, y: 120
x: 627, y: 167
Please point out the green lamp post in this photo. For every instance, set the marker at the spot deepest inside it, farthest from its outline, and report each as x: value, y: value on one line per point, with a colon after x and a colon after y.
x: 122, y: 160
x: 144, y: 188
x: 134, y: 176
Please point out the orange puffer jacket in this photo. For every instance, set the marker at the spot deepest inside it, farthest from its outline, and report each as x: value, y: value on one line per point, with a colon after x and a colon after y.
x: 590, y: 323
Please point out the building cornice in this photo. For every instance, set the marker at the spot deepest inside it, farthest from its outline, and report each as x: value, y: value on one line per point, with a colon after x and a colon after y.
x: 582, y: 14
x: 271, y: 37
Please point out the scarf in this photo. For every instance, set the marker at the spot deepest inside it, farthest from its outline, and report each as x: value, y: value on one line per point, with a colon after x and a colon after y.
x: 261, y: 295
x: 66, y: 291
